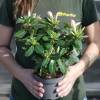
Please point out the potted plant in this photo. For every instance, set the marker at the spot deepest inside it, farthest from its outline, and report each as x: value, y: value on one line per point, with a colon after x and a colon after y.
x: 54, y: 45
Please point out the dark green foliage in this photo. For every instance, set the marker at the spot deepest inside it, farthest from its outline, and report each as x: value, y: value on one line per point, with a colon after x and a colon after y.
x: 54, y: 44
x: 29, y: 52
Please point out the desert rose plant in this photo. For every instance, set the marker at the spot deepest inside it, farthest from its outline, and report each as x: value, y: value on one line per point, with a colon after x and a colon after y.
x: 53, y: 45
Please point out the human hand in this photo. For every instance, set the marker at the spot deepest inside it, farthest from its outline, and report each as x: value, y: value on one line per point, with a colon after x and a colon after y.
x: 65, y: 86
x: 33, y: 86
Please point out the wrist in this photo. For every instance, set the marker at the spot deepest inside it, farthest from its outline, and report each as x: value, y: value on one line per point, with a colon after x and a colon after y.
x: 79, y: 68
x: 17, y: 71
x: 82, y: 67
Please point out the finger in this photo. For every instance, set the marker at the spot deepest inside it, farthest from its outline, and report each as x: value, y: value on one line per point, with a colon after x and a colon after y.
x: 34, y: 90
x: 39, y: 84
x: 70, y: 75
x: 37, y: 87
x: 65, y: 80
x: 35, y: 93
x: 66, y: 91
x: 61, y: 88
x: 62, y: 82
x: 38, y: 93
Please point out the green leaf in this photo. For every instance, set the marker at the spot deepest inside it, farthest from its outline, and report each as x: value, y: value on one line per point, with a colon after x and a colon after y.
x: 45, y: 38
x: 45, y: 62
x: 52, y: 67
x: 60, y: 42
x: 73, y: 59
x: 48, y: 45
x: 29, y: 51
x: 20, y: 34
x: 53, y: 35
x: 61, y: 66
x: 39, y: 37
x: 78, y: 45
x: 39, y: 49
x: 62, y: 52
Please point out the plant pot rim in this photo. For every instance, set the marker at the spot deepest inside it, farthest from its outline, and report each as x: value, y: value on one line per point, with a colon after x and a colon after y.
x: 48, y: 81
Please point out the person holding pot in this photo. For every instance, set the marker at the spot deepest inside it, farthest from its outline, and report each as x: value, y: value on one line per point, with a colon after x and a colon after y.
x: 24, y: 86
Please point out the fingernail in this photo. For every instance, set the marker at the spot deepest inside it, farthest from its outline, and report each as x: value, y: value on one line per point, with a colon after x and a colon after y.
x: 57, y: 90
x: 59, y: 84
x: 59, y: 94
x: 41, y: 84
x: 41, y: 95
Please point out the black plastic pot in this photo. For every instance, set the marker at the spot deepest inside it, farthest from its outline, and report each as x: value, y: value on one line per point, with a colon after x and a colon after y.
x: 50, y: 86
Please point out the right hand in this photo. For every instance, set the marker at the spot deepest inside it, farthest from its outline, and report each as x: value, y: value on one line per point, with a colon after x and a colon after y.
x: 33, y: 86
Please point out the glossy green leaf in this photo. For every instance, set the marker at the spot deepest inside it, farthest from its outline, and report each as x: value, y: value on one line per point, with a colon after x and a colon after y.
x: 39, y: 49
x: 78, y: 45
x: 73, y: 59
x: 62, y: 52
x: 29, y: 51
x: 45, y: 38
x: 60, y: 42
x: 52, y: 67
x: 45, y: 62
x: 20, y: 34
x: 48, y: 45
x: 61, y: 66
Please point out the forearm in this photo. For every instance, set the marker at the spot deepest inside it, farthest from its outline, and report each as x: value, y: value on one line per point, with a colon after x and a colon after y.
x: 89, y: 56
x: 7, y: 60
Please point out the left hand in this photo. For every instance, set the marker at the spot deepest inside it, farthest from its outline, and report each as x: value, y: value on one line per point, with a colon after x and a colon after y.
x: 65, y: 86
